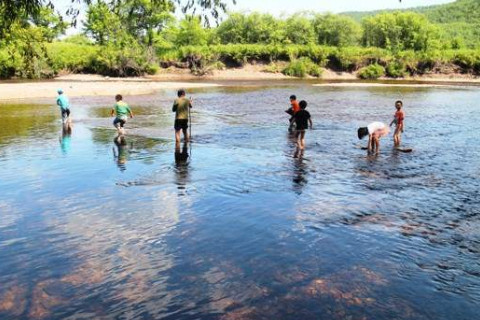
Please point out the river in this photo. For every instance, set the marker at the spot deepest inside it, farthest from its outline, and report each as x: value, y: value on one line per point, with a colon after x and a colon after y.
x: 238, y: 225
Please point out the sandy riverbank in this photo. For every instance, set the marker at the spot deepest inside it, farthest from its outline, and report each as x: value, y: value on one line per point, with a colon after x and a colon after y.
x: 90, y: 85
x: 257, y: 72
x: 78, y: 85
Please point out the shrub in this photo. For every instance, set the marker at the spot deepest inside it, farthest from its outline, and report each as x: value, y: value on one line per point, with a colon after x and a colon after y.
x: 302, y: 67
x: 396, y: 69
x: 373, y: 71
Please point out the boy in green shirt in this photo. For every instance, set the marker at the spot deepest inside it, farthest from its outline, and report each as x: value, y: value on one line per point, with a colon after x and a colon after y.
x: 121, y: 110
x: 181, y: 107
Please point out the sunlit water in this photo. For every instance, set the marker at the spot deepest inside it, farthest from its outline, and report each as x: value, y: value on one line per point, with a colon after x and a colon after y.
x: 236, y: 226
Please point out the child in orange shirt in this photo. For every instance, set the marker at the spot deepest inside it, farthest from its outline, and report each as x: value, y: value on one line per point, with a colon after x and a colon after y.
x: 295, y: 107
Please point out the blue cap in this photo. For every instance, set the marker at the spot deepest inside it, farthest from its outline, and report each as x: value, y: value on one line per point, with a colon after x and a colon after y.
x: 60, y: 91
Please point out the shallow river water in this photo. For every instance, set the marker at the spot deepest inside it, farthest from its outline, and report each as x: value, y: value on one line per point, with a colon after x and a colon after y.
x: 237, y: 225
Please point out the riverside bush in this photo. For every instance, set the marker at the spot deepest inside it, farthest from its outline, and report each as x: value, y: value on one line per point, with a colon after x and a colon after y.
x: 371, y: 72
x: 302, y: 67
x: 396, y: 69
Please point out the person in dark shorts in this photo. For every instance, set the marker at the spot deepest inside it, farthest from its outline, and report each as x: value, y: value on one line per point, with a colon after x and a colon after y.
x: 181, y: 107
x: 302, y: 120
x: 64, y: 104
x: 121, y: 111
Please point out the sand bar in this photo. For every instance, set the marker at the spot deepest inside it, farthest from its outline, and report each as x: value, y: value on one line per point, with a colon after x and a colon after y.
x: 84, y: 85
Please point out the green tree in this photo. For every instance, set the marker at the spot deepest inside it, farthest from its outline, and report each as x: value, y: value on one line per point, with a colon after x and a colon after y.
x: 144, y: 18
x: 252, y: 28
x: 102, y: 24
x: 190, y: 32
x: 299, y: 30
x: 400, y: 31
x: 336, y: 30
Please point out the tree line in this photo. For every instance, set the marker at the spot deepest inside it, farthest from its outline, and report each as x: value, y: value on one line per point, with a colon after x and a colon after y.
x: 133, y: 37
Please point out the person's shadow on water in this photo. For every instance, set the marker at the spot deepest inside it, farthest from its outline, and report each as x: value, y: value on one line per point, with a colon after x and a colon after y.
x: 181, y: 165
x: 120, y: 153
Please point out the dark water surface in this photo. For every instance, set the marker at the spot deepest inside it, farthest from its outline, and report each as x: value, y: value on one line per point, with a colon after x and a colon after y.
x: 235, y: 226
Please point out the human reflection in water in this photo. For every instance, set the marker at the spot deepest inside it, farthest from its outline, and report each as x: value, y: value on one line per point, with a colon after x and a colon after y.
x: 181, y: 165
x: 120, y: 154
x: 66, y: 139
x: 299, y: 171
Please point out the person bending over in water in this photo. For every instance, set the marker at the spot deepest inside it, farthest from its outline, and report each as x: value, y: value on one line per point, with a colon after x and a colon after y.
x: 181, y: 107
x: 64, y: 104
x: 121, y: 111
x: 374, y: 131
x: 398, y: 120
x: 302, y: 120
x: 295, y: 107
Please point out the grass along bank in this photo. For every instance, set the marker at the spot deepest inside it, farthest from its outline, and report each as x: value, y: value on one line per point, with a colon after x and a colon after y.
x: 291, y: 60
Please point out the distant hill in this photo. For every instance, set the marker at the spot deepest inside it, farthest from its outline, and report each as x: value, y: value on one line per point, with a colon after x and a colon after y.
x: 459, y: 11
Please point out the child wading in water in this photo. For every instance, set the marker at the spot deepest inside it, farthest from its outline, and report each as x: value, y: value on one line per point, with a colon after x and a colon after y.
x: 181, y: 107
x: 398, y: 120
x: 64, y: 104
x: 295, y: 107
x: 302, y: 119
x: 121, y: 110
x: 375, y: 131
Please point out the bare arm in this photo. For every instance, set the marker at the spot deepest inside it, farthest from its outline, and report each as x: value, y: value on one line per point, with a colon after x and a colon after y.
x: 370, y: 143
x: 131, y: 114
x: 311, y: 123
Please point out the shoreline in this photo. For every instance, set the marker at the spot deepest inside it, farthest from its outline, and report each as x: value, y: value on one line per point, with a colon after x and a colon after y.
x: 78, y: 85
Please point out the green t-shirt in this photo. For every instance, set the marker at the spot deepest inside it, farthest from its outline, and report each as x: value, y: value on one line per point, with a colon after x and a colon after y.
x: 180, y: 106
x: 122, y: 110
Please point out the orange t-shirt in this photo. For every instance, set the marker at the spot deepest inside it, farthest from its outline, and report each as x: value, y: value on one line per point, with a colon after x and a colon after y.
x: 400, y: 116
x: 295, y: 106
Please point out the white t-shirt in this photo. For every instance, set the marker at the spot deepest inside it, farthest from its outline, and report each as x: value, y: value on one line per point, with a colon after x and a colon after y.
x: 374, y: 126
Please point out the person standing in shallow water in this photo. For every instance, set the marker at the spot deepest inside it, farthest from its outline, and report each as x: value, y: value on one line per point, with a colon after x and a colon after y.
x: 121, y: 111
x: 294, y: 108
x: 302, y: 119
x: 181, y: 107
x: 398, y: 121
x: 375, y: 131
x: 64, y: 104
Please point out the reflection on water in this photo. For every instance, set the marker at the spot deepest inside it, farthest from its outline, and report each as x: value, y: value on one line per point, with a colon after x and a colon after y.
x: 181, y: 165
x: 241, y: 224
x: 66, y: 139
x: 120, y: 153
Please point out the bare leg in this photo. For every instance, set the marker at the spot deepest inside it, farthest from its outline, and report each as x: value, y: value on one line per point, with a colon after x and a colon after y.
x: 302, y: 140
x: 177, y: 136
x: 377, y: 145
x: 297, y: 138
x: 186, y: 138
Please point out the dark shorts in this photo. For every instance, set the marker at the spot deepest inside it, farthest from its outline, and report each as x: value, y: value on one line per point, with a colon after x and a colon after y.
x: 181, y: 124
x: 301, y: 128
x: 120, y: 122
x: 65, y: 113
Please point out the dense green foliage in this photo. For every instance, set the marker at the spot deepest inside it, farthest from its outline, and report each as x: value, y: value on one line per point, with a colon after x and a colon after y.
x: 134, y: 37
x: 458, y: 21
x: 400, y: 31
x: 302, y: 67
x: 371, y: 72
